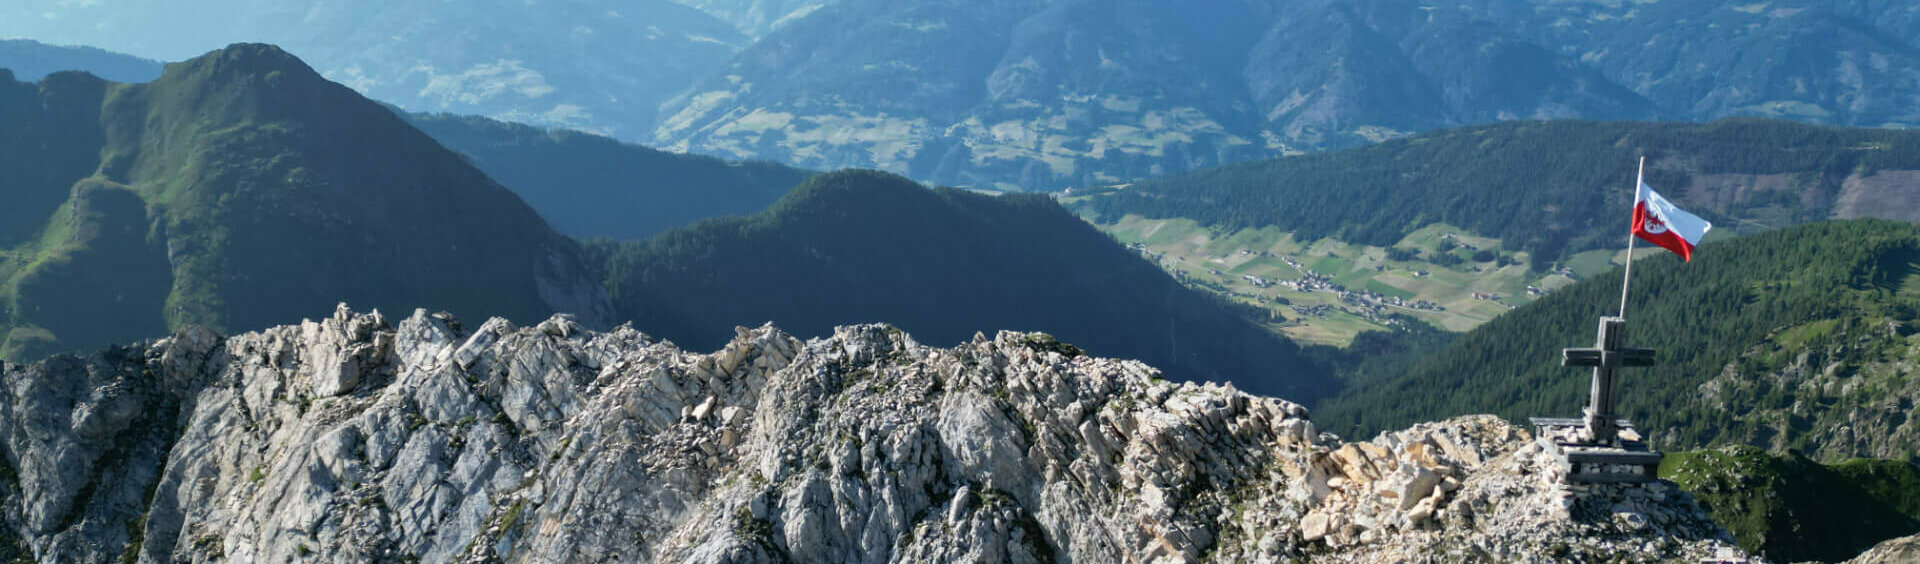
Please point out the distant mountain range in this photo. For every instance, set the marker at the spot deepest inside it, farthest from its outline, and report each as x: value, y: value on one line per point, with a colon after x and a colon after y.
x: 1035, y: 94
x: 597, y: 65
x: 31, y: 60
x: 1038, y: 94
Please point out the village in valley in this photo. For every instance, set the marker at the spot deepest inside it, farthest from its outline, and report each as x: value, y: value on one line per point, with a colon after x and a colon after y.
x: 1328, y: 291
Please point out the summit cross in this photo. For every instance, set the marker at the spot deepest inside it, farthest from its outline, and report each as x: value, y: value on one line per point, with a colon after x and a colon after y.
x: 1607, y: 355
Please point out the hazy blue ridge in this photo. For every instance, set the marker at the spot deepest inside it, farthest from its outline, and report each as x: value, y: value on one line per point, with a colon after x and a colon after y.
x: 32, y: 60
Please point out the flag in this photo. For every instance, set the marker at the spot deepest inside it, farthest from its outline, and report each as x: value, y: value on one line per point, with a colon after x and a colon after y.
x: 1657, y: 221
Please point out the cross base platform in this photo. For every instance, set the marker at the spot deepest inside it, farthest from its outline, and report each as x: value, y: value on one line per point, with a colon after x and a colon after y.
x: 1624, y: 459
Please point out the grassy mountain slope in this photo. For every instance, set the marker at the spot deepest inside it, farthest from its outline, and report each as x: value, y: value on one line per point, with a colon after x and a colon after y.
x: 1792, y: 509
x: 592, y: 186
x: 52, y: 137
x: 1796, y: 338
x: 860, y: 246
x: 31, y: 60
x: 240, y: 190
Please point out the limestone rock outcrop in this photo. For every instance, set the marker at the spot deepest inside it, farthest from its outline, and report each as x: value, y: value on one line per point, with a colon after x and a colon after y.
x: 1903, y: 550
x: 355, y: 439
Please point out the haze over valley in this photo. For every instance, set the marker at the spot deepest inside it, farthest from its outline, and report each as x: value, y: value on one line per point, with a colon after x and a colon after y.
x: 937, y: 281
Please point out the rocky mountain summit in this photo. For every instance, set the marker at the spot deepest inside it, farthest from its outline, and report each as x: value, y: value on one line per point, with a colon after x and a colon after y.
x: 354, y: 438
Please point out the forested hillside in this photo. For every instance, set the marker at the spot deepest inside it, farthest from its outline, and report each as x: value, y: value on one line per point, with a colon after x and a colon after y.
x: 1549, y: 188
x: 1797, y: 338
x: 860, y: 246
x: 588, y: 185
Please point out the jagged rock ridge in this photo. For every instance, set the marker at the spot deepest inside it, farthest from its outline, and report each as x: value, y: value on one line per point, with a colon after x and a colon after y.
x: 353, y: 439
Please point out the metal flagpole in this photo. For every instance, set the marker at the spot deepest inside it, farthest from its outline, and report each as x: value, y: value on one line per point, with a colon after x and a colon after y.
x: 1627, y: 280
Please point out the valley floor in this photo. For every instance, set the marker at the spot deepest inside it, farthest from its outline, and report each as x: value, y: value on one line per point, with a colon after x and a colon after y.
x: 1327, y: 291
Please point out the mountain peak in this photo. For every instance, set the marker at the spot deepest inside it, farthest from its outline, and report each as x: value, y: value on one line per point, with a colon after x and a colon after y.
x: 256, y: 55
x: 849, y: 186
x: 242, y: 60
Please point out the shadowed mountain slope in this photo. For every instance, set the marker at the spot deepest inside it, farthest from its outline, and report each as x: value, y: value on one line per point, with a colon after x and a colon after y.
x: 861, y: 246
x: 587, y: 185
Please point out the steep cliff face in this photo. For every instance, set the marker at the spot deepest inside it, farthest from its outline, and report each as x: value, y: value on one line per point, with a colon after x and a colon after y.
x: 355, y: 439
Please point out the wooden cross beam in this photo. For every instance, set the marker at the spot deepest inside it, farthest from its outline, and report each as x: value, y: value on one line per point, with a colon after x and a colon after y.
x: 1611, y: 359
x: 1606, y: 355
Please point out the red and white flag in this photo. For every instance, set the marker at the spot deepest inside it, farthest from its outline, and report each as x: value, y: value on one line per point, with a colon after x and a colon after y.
x: 1657, y: 221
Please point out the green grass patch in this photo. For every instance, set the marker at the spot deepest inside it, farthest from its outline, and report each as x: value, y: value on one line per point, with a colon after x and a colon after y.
x: 1180, y: 245
x: 1332, y: 265
x: 1799, y: 335
x: 1592, y: 263
x: 1382, y: 288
